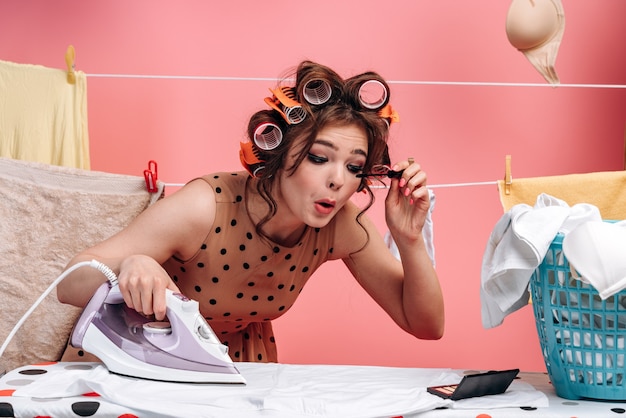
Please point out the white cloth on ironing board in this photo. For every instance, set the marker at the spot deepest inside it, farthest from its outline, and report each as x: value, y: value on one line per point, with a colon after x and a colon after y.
x: 516, y: 247
x: 278, y: 390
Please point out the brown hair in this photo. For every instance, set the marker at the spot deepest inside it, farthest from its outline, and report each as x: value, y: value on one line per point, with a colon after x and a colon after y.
x: 342, y: 109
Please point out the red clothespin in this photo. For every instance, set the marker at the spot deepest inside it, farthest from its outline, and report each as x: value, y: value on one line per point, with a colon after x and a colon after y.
x: 151, y: 176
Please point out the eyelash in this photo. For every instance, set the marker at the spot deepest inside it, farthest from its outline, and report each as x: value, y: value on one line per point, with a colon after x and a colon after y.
x: 315, y: 159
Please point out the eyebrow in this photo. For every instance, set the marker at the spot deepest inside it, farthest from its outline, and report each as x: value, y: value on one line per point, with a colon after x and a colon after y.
x: 357, y: 151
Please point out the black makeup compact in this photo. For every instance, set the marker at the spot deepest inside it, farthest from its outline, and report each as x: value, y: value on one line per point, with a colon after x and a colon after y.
x: 480, y: 384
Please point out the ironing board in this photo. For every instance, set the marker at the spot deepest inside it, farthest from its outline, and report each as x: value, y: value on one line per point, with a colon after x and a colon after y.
x: 365, y: 383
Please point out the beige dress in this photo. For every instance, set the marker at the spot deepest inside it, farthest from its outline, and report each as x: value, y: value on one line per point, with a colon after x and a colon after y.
x: 243, y: 280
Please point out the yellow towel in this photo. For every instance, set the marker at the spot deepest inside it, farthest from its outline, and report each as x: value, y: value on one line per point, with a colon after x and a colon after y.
x: 606, y: 190
x: 43, y: 118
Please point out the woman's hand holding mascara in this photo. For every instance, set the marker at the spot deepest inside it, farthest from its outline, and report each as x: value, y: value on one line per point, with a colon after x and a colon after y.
x: 407, y: 201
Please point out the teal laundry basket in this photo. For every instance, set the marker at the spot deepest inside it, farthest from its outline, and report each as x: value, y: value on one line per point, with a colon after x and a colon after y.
x: 582, y: 337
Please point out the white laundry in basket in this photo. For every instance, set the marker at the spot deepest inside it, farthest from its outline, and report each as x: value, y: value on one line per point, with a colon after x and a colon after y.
x: 596, y: 252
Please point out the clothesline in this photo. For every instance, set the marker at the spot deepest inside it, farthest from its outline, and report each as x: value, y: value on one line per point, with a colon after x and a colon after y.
x: 409, y: 82
x: 430, y: 186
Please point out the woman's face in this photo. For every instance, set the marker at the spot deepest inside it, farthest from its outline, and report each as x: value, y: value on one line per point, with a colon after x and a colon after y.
x: 326, y: 178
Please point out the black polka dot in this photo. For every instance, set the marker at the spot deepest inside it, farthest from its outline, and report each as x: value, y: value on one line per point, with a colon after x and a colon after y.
x: 315, y: 251
x: 270, y: 298
x: 182, y: 269
x: 175, y: 278
x: 85, y: 408
x: 264, y: 258
x: 246, y: 335
x: 218, y: 190
x: 305, y: 269
x: 237, y: 354
x: 33, y: 372
x: 330, y: 250
x: 198, y: 289
x: 212, y: 301
x: 288, y: 256
x: 201, y: 265
x: 317, y: 230
x: 246, y: 266
x: 272, y: 339
x: 224, y: 332
x: 293, y: 286
x: 242, y: 247
x: 238, y: 326
x: 203, y: 247
x: 281, y: 308
x: 223, y: 251
x: 238, y: 198
x: 281, y: 286
x: 255, y: 297
x: 215, y: 279
x: 6, y: 410
x: 239, y: 295
x: 250, y: 284
x: 292, y: 268
x: 276, y: 249
x: 259, y: 356
x: 226, y: 267
x: 270, y: 273
x: 233, y: 222
x: 218, y: 230
x: 226, y: 313
x: 253, y: 313
x: 249, y: 235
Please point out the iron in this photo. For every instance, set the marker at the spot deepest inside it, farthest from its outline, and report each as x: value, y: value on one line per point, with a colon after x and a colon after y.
x: 184, y: 350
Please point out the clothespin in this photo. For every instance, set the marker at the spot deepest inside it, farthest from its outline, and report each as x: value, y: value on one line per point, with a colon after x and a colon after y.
x: 507, y: 175
x: 151, y: 176
x: 70, y: 55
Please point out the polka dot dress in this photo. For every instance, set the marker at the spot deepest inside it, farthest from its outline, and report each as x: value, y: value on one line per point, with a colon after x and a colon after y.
x: 243, y: 280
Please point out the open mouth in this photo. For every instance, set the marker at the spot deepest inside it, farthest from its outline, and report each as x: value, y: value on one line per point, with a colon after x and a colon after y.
x: 325, y: 206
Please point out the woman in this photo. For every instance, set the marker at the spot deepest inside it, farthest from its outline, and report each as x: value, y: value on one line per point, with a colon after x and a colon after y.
x: 244, y: 244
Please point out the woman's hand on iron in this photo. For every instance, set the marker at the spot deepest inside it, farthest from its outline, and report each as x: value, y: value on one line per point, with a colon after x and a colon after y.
x: 142, y: 282
x: 408, y: 201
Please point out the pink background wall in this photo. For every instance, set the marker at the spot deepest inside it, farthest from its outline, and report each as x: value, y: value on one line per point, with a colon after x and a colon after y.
x: 459, y: 133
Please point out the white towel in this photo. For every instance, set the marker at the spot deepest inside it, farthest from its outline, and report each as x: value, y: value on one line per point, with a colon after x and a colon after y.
x: 516, y: 247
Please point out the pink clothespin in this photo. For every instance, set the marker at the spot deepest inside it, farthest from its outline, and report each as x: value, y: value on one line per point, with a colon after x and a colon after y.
x: 151, y: 176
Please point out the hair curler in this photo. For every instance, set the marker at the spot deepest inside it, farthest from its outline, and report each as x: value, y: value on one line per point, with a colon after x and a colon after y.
x: 250, y: 159
x: 284, y: 102
x: 268, y: 136
x: 317, y: 91
x: 373, y: 94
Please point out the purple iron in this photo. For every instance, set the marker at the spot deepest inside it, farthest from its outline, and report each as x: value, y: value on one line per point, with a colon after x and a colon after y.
x: 184, y: 350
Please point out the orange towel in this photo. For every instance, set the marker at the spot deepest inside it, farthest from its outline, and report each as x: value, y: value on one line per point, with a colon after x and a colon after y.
x: 605, y: 190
